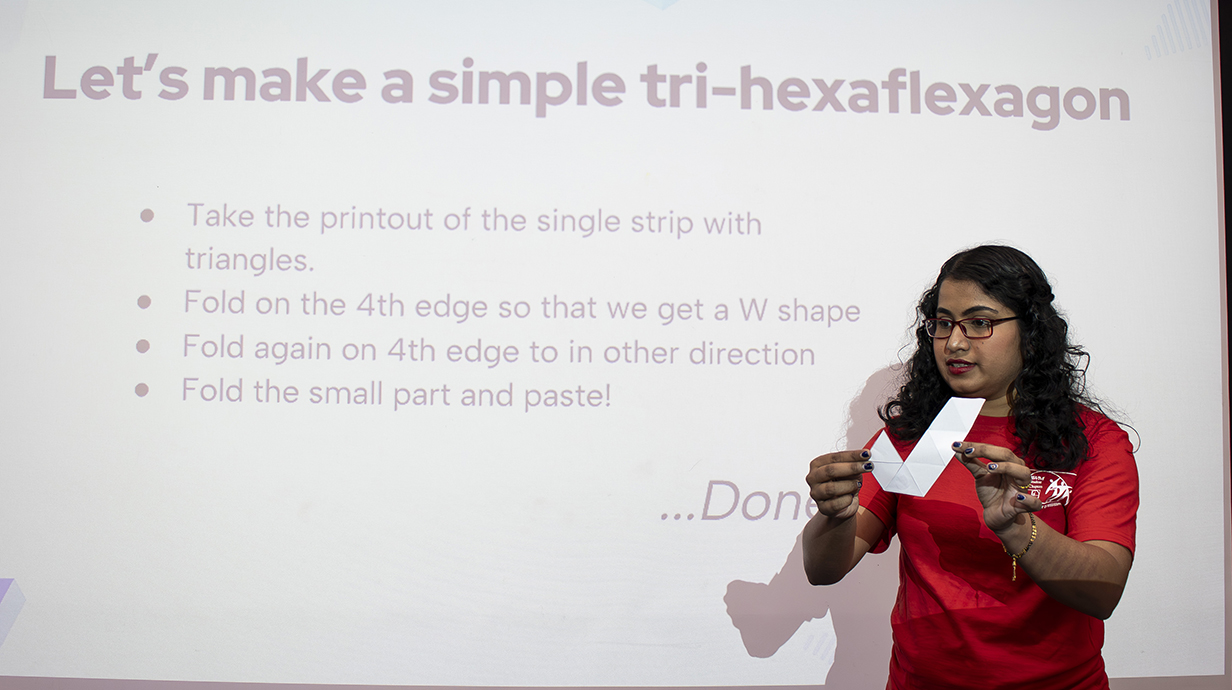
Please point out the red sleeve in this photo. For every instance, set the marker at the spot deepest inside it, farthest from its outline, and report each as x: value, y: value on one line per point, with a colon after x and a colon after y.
x: 879, y: 502
x: 1104, y: 504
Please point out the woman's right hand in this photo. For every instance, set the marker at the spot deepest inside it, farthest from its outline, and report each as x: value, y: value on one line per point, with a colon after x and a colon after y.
x: 835, y: 479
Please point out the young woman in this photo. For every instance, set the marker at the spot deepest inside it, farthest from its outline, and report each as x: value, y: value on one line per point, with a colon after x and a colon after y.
x: 1014, y: 558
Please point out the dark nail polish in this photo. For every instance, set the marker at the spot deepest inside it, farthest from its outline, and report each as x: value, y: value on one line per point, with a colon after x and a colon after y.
x: 992, y: 465
x: 868, y: 465
x: 969, y: 451
x: 864, y: 454
x: 1021, y: 497
x: 958, y: 444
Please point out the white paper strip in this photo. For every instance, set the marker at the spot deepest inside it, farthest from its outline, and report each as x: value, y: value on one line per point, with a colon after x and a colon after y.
x: 924, y: 465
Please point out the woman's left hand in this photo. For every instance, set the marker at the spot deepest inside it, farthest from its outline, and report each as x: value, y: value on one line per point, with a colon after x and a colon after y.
x: 1002, y: 483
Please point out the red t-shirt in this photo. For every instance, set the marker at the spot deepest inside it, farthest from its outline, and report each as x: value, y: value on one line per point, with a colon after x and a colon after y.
x: 959, y: 621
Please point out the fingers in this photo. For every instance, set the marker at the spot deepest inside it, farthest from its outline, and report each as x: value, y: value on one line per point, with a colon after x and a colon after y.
x: 835, y: 479
x: 990, y: 452
x: 837, y: 466
x: 965, y: 453
x: 840, y: 507
x: 1000, y: 461
x: 1002, y: 482
x: 842, y: 456
x: 1026, y: 503
x: 1009, y: 506
x: 826, y: 491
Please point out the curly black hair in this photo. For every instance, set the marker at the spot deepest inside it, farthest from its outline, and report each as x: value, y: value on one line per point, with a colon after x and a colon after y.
x: 1047, y: 394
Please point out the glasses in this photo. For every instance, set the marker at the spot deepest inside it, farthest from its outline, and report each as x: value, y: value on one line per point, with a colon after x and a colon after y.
x: 973, y: 329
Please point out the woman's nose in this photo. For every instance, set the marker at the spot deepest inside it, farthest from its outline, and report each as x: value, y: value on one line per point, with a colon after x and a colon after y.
x: 957, y: 341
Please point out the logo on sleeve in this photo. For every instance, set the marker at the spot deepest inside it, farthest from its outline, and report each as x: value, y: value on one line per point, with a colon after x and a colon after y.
x: 1052, y: 488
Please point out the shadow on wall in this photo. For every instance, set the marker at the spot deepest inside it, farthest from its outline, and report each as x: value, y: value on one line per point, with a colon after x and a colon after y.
x: 768, y: 614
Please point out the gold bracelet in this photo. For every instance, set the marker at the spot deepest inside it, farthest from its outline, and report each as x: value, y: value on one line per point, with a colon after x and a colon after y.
x: 1016, y: 556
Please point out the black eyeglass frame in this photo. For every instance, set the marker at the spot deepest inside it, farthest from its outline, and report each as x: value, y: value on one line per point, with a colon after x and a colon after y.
x: 992, y: 323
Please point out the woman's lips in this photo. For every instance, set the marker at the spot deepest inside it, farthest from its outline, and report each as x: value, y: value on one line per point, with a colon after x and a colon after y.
x: 958, y: 366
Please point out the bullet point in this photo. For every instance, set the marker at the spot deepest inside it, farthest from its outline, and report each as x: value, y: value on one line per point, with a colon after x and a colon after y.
x: 141, y: 390
x: 143, y: 345
x: 147, y: 215
x: 143, y: 301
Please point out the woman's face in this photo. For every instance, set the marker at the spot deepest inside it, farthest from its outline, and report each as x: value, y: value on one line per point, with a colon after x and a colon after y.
x: 977, y: 368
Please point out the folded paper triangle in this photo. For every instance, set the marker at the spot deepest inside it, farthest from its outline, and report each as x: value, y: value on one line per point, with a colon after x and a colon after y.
x: 924, y: 465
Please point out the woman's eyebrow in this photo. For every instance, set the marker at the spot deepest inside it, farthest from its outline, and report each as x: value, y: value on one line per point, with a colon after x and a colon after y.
x: 978, y: 308
x: 970, y: 310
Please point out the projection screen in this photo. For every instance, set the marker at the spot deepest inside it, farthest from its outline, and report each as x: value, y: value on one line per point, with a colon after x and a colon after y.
x: 478, y: 344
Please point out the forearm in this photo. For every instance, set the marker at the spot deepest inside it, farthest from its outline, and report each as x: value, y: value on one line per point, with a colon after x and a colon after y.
x: 829, y: 548
x: 1086, y: 576
x: 833, y: 546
